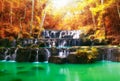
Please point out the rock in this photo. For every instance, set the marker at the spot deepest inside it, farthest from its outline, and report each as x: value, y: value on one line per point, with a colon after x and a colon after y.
x: 109, y: 53
x: 42, y: 55
x: 33, y: 54
x: 23, y: 55
x: 2, y: 51
x: 116, y: 55
x: 57, y: 60
x: 72, y: 58
x: 54, y: 51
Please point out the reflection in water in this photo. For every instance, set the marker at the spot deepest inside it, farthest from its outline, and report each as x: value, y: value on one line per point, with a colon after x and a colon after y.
x: 100, y: 71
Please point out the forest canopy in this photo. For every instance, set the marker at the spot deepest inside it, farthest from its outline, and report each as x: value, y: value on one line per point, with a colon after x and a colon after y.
x: 25, y: 16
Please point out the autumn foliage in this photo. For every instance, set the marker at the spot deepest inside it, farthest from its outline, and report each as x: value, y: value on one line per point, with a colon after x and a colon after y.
x: 19, y: 18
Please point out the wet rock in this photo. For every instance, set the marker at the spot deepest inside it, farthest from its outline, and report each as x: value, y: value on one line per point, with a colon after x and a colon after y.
x: 57, y: 60
x: 33, y: 55
x: 43, y: 55
x: 54, y: 51
x: 2, y: 51
x: 109, y: 53
x: 115, y: 55
x: 72, y: 58
x: 23, y: 55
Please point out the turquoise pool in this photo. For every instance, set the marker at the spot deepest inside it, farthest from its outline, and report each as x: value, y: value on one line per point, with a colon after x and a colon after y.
x: 99, y: 71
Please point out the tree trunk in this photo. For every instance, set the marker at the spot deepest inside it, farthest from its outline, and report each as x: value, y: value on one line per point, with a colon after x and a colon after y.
x: 32, y: 17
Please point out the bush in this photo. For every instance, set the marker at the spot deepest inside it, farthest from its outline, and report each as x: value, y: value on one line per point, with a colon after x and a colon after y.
x: 87, y: 55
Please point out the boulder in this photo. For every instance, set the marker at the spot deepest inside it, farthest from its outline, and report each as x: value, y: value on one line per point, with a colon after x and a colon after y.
x: 57, y: 60
x: 23, y: 55
x: 2, y: 51
x: 43, y: 54
x: 72, y: 58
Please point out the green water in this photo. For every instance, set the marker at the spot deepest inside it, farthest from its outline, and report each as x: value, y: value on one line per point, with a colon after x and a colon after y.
x: 99, y: 71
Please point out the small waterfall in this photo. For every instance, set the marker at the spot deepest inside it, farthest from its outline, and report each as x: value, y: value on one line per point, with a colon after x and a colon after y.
x: 48, y: 54
x: 53, y: 43
x: 109, y: 54
x: 37, y: 56
x: 63, y: 53
x: 14, y: 54
x: 35, y: 41
x: 48, y: 43
x: 14, y: 43
x: 67, y: 51
x: 103, y: 57
x: 24, y: 42
x: 10, y: 57
x: 6, y: 55
x: 62, y: 43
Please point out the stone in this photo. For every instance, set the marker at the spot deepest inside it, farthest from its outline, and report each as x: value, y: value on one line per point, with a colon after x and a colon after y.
x: 72, y: 58
x: 57, y: 60
x: 23, y: 55
x: 43, y: 55
x: 33, y: 54
x: 2, y: 51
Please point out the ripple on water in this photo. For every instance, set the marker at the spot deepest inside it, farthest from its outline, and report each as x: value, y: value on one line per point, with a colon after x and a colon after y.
x: 16, y: 79
x: 38, y: 68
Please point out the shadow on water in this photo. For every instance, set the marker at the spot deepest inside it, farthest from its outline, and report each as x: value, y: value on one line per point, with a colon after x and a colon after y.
x: 25, y: 72
x: 4, y: 72
x: 37, y: 68
x: 20, y: 67
x: 16, y: 79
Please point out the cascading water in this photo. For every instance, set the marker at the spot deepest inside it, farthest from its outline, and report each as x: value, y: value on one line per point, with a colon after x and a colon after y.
x: 109, y: 54
x: 48, y: 54
x: 63, y: 52
x: 7, y: 55
x: 37, y: 55
x: 62, y: 43
x: 14, y: 54
x: 103, y: 57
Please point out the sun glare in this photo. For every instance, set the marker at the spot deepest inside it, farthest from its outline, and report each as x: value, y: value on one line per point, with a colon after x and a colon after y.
x: 61, y: 3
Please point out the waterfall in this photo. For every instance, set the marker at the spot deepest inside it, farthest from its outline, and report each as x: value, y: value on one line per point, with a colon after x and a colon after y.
x: 35, y: 41
x: 10, y: 57
x: 37, y: 56
x: 14, y: 55
x: 103, y: 57
x: 67, y: 51
x: 48, y: 54
x: 62, y: 43
x: 63, y: 53
x: 7, y: 56
x: 109, y: 54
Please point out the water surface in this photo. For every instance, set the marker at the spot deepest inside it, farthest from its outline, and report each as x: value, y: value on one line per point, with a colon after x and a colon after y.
x: 99, y: 71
